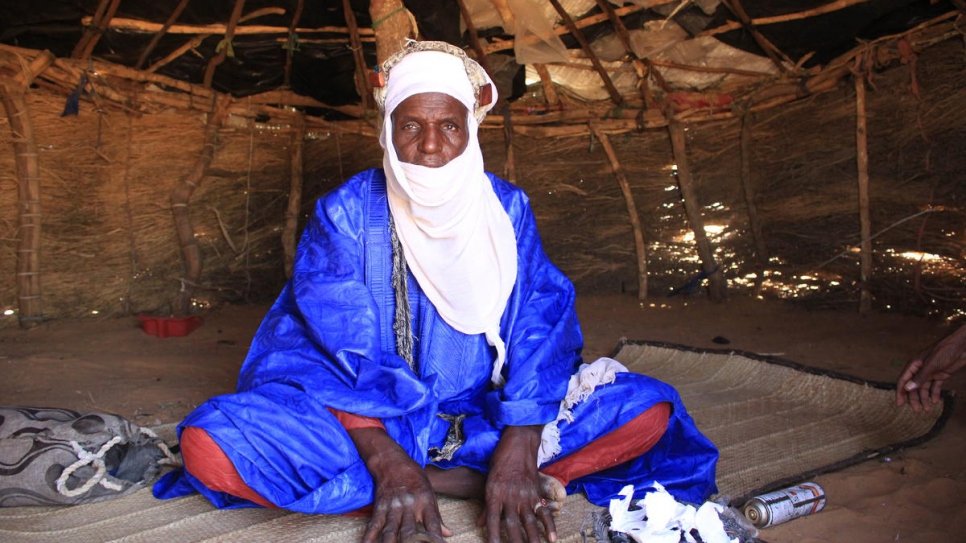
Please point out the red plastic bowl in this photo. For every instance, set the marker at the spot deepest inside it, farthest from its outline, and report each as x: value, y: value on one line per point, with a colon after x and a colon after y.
x: 169, y: 326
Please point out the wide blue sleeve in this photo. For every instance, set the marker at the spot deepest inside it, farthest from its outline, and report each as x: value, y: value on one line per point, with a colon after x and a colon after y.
x: 539, y: 326
x: 322, y: 335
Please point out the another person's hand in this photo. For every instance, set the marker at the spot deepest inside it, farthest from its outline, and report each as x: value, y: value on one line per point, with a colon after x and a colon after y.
x: 920, y: 383
x: 517, y: 505
x: 404, y: 509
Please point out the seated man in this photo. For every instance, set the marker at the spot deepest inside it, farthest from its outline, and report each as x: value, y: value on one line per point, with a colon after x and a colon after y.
x: 425, y: 344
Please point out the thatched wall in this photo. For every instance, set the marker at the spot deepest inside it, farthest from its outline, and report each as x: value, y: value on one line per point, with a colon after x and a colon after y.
x: 804, y: 173
x: 109, y: 245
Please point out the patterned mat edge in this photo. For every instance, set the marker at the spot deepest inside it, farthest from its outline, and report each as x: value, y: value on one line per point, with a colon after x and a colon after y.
x: 948, y: 403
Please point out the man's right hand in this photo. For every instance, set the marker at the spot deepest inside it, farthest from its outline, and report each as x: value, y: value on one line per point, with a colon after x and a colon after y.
x: 920, y: 383
x: 404, y: 509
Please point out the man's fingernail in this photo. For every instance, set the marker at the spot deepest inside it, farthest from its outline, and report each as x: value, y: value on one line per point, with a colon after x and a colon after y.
x: 911, y: 386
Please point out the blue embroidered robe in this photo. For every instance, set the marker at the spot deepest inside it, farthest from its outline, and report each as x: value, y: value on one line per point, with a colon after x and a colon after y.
x: 328, y: 341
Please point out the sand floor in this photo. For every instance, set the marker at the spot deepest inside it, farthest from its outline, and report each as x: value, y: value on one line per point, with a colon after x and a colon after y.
x: 916, y: 495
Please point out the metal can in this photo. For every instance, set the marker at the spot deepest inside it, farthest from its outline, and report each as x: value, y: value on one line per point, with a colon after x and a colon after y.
x: 785, y: 504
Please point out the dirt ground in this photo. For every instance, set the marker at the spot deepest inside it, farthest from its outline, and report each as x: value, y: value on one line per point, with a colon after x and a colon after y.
x: 917, y: 495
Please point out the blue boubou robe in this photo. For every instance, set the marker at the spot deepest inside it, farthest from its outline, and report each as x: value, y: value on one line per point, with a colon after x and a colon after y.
x: 328, y: 341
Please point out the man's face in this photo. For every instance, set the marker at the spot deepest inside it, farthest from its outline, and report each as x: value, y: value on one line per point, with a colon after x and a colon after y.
x: 429, y: 129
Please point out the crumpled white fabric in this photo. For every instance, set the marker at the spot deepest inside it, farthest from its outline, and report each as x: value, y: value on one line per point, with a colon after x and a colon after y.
x: 456, y: 235
x: 659, y: 518
x: 582, y: 383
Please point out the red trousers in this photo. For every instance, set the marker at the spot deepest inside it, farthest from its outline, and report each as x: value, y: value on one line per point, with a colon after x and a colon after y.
x: 205, y: 460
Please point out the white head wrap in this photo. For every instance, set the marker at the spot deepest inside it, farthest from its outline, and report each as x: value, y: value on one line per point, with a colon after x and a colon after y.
x: 457, y: 238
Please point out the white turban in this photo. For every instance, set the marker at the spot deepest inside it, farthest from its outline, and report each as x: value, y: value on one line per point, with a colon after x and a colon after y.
x: 455, y: 233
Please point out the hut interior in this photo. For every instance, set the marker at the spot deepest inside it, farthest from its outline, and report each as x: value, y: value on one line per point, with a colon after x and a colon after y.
x: 787, y: 177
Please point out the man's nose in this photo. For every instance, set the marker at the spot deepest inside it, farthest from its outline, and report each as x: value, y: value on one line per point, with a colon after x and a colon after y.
x: 430, y: 141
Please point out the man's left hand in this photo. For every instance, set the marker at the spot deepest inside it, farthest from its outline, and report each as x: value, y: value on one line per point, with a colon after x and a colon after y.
x: 515, y: 504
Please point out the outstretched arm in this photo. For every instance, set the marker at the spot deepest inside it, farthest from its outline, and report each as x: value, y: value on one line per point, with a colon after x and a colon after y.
x: 920, y: 383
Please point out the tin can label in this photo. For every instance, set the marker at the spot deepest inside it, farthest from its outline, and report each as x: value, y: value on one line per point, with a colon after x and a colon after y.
x: 785, y: 504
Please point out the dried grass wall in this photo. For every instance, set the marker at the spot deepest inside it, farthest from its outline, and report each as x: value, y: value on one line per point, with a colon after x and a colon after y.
x: 804, y: 173
x: 109, y: 245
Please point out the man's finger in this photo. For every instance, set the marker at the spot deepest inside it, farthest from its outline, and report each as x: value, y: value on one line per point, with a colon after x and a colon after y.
x: 937, y: 390
x: 433, y: 524
x: 513, y: 527
x: 546, y: 515
x: 391, y: 528
x: 376, y: 522
x: 530, y: 524
x: 493, y: 524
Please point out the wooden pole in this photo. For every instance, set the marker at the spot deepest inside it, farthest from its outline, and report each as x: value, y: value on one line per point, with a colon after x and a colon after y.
x: 291, y: 44
x: 768, y: 47
x: 796, y: 16
x: 363, y: 87
x: 137, y: 25
x: 761, y: 250
x: 615, y: 96
x: 27, y: 166
x: 625, y: 37
x: 865, y: 223
x: 693, y: 209
x: 181, y: 196
x: 392, y: 24
x: 590, y: 20
x: 94, y: 27
x: 510, y: 167
x: 290, y: 231
x: 27, y: 169
x: 160, y: 33
x: 225, y: 45
x: 198, y: 39
x: 549, y: 92
x: 474, y: 37
x: 625, y: 186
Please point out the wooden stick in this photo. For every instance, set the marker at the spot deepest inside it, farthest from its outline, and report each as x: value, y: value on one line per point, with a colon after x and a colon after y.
x: 797, y: 16
x: 197, y: 40
x: 865, y: 223
x: 509, y: 167
x: 182, y: 49
x: 180, y: 198
x: 474, y: 37
x: 91, y: 27
x: 392, y: 24
x: 225, y: 44
x: 27, y: 165
x: 766, y: 46
x: 99, y: 31
x: 615, y: 96
x: 761, y: 250
x: 137, y: 25
x: 160, y: 33
x: 290, y: 46
x: 36, y: 66
x: 294, y: 209
x: 625, y: 37
x: 710, y: 69
x: 632, y: 213
x: 549, y: 91
x: 363, y: 86
x: 693, y: 210
x: 502, y: 45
